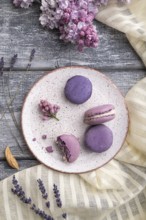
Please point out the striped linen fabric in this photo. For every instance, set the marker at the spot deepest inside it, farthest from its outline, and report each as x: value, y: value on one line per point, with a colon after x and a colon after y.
x: 129, y: 19
x: 116, y: 191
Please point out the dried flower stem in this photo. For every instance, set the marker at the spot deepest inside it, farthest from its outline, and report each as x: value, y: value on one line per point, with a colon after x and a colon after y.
x: 1, y: 71
x: 13, y: 134
x: 18, y: 87
x: 12, y: 63
x: 53, y: 116
x: 10, y: 108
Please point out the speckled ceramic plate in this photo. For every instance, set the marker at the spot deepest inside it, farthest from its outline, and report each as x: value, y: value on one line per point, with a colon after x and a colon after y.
x: 51, y: 87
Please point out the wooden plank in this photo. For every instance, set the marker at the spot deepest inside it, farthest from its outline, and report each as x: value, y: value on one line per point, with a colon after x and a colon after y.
x: 6, y: 170
x: 123, y: 79
x: 21, y: 31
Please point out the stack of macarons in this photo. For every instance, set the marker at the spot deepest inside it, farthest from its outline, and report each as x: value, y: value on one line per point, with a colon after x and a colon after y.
x: 98, y: 137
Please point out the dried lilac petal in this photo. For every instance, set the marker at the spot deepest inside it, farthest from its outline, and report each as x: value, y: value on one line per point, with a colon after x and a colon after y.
x: 34, y: 139
x: 49, y: 149
x: 44, y: 136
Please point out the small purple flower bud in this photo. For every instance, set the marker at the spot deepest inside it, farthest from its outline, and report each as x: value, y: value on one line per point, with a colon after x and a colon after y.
x: 64, y: 215
x: 82, y: 33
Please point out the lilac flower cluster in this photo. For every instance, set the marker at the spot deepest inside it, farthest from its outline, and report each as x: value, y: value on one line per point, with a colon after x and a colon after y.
x: 23, y: 3
x: 73, y: 18
x: 48, y: 110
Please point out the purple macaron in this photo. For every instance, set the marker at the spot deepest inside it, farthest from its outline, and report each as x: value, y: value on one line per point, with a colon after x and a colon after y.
x: 69, y: 146
x: 99, y: 114
x: 98, y: 138
x: 78, y: 89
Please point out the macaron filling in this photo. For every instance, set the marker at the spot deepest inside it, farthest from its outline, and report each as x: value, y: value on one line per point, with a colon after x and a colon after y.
x: 64, y: 149
x: 100, y: 114
x: 105, y: 114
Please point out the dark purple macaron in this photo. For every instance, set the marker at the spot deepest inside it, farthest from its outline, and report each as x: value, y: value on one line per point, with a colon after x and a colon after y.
x: 99, y: 114
x: 98, y: 138
x: 78, y: 89
x: 69, y: 146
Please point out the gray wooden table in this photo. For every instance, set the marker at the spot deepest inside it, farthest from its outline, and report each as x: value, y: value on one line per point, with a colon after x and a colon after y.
x: 20, y: 33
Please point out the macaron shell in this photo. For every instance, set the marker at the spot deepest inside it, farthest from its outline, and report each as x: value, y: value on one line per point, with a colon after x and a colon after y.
x: 78, y: 89
x: 72, y: 143
x: 96, y: 115
x: 98, y: 138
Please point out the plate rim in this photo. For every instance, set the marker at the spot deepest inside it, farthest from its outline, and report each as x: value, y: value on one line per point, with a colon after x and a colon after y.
x: 67, y: 67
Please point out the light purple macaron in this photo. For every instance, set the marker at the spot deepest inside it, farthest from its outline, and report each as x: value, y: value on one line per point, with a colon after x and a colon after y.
x: 98, y: 138
x: 99, y: 114
x: 69, y: 147
x: 78, y: 89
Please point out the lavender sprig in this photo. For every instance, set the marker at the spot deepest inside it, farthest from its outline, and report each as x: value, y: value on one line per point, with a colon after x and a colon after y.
x: 13, y: 61
x: 42, y: 189
x: 32, y: 54
x: 57, y: 196
x: 58, y: 199
x: 44, y: 193
x: 41, y: 213
x: 1, y: 66
x: 19, y: 192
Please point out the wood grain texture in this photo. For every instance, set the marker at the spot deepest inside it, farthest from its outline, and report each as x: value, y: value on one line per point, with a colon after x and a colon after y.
x: 21, y: 31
